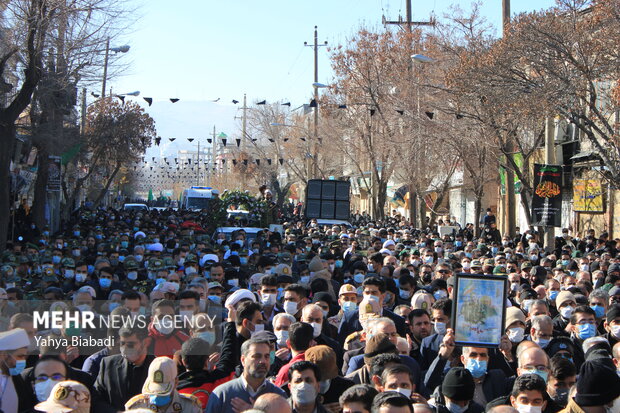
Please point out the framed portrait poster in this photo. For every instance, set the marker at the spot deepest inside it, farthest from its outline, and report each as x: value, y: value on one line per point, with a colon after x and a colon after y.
x: 478, y: 310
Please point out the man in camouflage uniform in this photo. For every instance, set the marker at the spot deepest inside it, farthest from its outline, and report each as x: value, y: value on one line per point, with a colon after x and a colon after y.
x: 159, y: 392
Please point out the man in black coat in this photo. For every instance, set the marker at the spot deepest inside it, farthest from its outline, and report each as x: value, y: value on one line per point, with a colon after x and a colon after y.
x: 373, y: 289
x: 121, y: 376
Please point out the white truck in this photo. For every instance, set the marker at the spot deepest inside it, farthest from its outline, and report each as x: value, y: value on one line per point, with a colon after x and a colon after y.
x: 198, y: 198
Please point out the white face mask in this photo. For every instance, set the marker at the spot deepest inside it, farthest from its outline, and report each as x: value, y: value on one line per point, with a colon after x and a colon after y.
x: 404, y: 392
x: 566, y: 312
x: 282, y: 336
x: 290, y: 307
x: 516, y: 334
x: 268, y: 299
x: 257, y: 329
x: 317, y: 329
x: 165, y: 327
x: 526, y: 408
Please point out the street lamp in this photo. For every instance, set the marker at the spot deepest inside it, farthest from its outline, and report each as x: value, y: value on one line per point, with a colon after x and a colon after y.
x: 119, y: 49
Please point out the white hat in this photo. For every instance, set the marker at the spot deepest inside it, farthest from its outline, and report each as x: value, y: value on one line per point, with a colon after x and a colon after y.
x: 208, y: 257
x: 14, y: 339
x: 155, y: 247
x: 88, y: 289
x: 161, y: 378
x: 388, y: 243
x: 139, y: 234
x: 241, y: 294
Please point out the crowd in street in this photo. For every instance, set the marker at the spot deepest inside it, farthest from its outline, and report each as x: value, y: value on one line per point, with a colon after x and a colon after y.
x: 314, y: 319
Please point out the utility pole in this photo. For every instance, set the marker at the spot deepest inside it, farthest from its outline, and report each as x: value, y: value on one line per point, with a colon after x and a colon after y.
x: 315, y: 164
x: 105, y: 67
x: 408, y: 26
x: 211, y: 164
x: 198, y: 179
x: 508, y: 199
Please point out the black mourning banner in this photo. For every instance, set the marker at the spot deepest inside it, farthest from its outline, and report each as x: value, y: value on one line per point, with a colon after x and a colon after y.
x: 547, y: 199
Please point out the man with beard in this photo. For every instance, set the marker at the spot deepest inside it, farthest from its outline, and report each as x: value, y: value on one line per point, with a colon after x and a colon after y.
x: 240, y: 394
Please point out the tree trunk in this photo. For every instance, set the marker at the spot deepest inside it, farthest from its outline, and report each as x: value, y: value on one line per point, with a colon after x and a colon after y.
x: 7, y: 138
x: 40, y: 188
x: 525, y: 202
x: 477, y: 212
x: 413, y: 212
x: 380, y: 200
x: 105, y: 189
x: 422, y: 204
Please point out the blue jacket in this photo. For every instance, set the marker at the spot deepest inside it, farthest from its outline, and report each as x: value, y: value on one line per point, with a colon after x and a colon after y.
x: 220, y: 399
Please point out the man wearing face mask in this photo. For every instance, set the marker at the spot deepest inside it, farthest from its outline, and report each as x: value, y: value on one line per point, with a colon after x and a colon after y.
x: 612, y: 325
x: 300, y: 339
x: 159, y: 392
x: 121, y: 376
x: 440, y: 317
x: 313, y: 315
x: 562, y: 377
x: 457, y: 393
x: 541, y: 331
x: 598, y: 389
x: 566, y: 304
x: 13, y: 352
x: 373, y: 289
x: 50, y: 370
x: 295, y: 299
x: 166, y: 337
x: 304, y: 384
x: 249, y: 321
x: 268, y: 293
x: 583, y: 326
x: 331, y: 385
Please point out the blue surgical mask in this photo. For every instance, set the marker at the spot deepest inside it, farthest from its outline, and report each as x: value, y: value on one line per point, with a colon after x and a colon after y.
x: 599, y: 310
x: 112, y: 306
x: 404, y: 294
x: 243, y: 260
x: 338, y: 263
x: 159, y: 400
x: 359, y: 277
x: 216, y: 299
x: 272, y: 357
x: 105, y: 282
x: 280, y: 293
x: 125, y: 244
x: 477, y: 368
x: 553, y: 294
x: 349, y: 307
x: 586, y: 331
x: 208, y: 336
x: 56, y: 259
x: 458, y: 243
x: 20, y: 365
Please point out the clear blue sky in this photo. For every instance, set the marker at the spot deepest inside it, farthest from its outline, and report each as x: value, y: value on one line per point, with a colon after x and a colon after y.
x: 201, y: 50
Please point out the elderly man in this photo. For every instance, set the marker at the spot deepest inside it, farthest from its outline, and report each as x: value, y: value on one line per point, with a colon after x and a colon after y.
x: 13, y: 351
x: 313, y: 315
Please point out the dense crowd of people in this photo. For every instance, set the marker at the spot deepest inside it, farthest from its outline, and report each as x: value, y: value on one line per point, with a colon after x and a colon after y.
x: 315, y: 319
